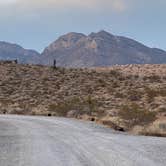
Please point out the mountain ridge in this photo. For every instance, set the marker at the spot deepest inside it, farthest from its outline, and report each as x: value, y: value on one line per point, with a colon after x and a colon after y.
x: 98, y: 49
x: 12, y: 51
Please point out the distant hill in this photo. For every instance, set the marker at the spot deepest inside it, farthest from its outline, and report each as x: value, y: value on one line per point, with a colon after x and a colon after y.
x: 100, y: 49
x: 10, y: 51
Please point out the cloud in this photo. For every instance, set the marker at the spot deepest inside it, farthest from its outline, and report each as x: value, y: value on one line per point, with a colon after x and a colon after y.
x: 114, y: 5
x: 7, y: 1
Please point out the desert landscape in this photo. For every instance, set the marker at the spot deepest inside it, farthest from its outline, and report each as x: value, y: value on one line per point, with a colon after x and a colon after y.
x: 124, y: 97
x: 82, y: 83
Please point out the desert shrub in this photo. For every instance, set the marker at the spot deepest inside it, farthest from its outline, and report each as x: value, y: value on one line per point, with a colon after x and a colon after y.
x: 153, y: 133
x: 134, y: 95
x: 115, y: 73
x: 144, y: 78
x: 82, y: 106
x: 6, y: 102
x: 115, y: 84
x: 112, y: 125
x: 136, y: 76
x: 91, y: 103
x: 162, y: 92
x: 102, y: 83
x: 152, y: 78
x: 129, y: 77
x: 63, y: 107
x: 119, y: 95
x: 58, y: 70
x: 133, y: 115
x: 151, y: 93
x: 121, y: 78
x: 162, y: 110
x: 157, y: 130
x: 118, y: 75
x: 126, y: 83
x: 162, y: 126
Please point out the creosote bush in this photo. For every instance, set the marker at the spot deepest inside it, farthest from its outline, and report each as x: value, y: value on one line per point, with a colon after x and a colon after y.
x: 115, y: 73
x: 133, y: 115
x: 134, y: 95
x: 81, y: 106
x: 154, y: 78
x: 152, y: 93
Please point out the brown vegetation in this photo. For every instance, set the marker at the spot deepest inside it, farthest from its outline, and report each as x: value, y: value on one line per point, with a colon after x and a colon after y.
x: 121, y: 95
x: 133, y: 115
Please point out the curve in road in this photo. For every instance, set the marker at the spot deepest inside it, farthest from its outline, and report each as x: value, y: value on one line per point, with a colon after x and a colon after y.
x: 43, y: 141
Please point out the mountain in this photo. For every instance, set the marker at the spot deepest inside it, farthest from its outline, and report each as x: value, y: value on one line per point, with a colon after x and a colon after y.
x: 10, y: 51
x: 100, y: 49
x: 79, y: 50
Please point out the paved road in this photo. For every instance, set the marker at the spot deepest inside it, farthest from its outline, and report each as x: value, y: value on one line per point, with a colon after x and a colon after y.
x: 42, y: 141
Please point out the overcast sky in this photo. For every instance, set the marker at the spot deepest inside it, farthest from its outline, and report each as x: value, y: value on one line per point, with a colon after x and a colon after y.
x: 36, y: 23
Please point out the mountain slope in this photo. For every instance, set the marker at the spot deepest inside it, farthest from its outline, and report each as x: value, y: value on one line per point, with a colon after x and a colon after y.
x: 100, y: 49
x: 10, y: 51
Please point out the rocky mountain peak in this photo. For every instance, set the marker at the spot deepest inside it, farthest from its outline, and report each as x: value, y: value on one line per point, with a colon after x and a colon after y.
x: 64, y: 42
x: 101, y: 34
x: 78, y: 50
x: 100, y: 49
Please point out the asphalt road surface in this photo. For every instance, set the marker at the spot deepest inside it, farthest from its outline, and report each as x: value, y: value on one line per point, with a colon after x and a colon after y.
x: 43, y: 141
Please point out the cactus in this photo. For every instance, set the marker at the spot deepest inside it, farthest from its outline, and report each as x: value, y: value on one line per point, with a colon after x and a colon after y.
x: 16, y: 61
x: 54, y: 64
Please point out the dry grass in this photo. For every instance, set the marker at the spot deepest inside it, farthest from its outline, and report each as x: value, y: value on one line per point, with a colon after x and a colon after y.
x: 97, y: 92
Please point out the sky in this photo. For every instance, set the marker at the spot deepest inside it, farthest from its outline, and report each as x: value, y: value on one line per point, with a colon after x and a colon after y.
x: 35, y: 24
